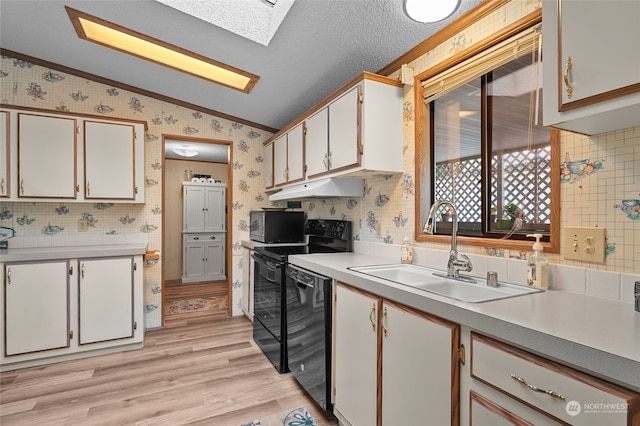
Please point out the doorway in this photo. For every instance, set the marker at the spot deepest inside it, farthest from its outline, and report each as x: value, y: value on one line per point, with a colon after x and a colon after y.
x: 192, y: 301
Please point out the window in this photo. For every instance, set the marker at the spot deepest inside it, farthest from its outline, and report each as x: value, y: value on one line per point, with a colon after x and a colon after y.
x: 478, y: 146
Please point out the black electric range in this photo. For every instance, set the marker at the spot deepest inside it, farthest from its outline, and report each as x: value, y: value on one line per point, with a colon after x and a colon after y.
x: 269, y: 289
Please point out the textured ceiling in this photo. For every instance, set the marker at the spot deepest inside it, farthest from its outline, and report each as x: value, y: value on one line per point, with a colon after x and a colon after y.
x: 320, y: 45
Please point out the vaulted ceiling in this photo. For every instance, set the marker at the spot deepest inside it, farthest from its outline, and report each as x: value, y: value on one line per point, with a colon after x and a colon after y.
x: 319, y: 46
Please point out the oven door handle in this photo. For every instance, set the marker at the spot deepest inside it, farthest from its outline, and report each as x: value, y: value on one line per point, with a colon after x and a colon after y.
x: 260, y: 259
x: 303, y: 286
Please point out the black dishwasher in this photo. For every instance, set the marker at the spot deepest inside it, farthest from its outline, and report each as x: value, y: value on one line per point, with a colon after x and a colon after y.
x: 309, y: 332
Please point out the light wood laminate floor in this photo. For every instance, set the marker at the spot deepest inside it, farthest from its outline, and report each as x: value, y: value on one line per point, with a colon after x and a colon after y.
x: 207, y: 372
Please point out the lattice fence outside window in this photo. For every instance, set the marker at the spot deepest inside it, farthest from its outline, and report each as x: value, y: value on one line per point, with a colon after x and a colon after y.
x: 521, y: 177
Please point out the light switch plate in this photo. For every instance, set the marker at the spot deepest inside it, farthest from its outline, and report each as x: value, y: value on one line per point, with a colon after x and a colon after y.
x: 584, y: 243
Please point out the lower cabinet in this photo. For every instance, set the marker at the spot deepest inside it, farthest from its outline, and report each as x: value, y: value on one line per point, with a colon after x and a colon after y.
x: 64, y: 309
x: 203, y: 257
x: 247, y: 282
x: 393, y: 364
x: 513, y: 387
x: 37, y: 307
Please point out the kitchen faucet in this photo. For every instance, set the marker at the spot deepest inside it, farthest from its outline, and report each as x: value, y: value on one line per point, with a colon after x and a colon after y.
x: 456, y: 262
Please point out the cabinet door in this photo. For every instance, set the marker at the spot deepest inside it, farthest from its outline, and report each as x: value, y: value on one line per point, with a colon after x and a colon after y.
x: 215, y: 202
x: 46, y: 156
x: 109, y: 152
x: 106, y: 299
x: 193, y: 208
x: 417, y: 367
x: 317, y: 143
x: 5, y: 157
x: 587, y: 38
x: 267, y: 168
x: 36, y: 306
x: 193, y: 260
x: 344, y: 130
x: 356, y: 349
x: 280, y: 160
x: 295, y: 153
x: 214, y: 257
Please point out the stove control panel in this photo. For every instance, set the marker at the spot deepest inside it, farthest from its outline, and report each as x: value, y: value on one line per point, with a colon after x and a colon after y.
x: 338, y: 229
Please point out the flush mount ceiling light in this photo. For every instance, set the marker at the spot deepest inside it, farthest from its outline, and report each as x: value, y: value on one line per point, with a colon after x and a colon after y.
x: 185, y: 151
x: 426, y: 11
x: 133, y: 43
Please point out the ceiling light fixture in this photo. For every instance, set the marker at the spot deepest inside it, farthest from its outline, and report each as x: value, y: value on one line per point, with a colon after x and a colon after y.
x: 128, y: 41
x: 185, y: 151
x: 429, y: 11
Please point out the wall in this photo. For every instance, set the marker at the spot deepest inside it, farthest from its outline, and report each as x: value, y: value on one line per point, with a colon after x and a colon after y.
x: 29, y: 85
x: 173, y: 177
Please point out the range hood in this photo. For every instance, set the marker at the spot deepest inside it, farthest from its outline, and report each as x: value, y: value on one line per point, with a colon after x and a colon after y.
x: 324, y: 188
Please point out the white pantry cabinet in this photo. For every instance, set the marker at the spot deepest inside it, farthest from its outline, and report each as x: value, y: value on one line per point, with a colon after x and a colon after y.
x: 5, y: 165
x: 37, y: 307
x: 288, y: 156
x: 62, y: 157
x: 418, y: 372
x: 591, y: 65
x: 203, y: 257
x: 204, y: 207
x: 63, y: 309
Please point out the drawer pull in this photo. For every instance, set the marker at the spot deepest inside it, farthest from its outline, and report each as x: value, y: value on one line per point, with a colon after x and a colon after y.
x: 534, y: 388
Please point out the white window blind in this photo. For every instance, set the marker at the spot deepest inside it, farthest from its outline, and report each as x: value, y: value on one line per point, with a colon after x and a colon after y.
x: 521, y: 44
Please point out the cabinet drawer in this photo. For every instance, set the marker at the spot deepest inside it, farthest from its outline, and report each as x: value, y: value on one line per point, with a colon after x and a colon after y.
x: 195, y: 238
x: 546, y: 386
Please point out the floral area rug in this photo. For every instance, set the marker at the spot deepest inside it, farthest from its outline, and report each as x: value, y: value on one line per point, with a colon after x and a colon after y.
x: 198, y: 304
x: 296, y: 417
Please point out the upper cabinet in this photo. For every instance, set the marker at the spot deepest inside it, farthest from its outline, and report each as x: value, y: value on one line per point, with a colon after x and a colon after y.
x: 4, y: 154
x: 288, y: 156
x: 47, y: 152
x: 356, y: 131
x: 204, y: 207
x: 71, y: 158
x: 268, y: 165
x: 107, y: 144
x: 591, y: 73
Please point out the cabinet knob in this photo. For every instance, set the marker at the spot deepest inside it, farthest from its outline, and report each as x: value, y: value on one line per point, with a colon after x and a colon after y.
x: 2, y: 186
x: 212, y: 237
x: 196, y: 238
x: 88, y: 189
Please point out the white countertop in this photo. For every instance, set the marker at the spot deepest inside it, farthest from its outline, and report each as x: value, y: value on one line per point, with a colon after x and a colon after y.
x: 71, y: 252
x: 595, y: 335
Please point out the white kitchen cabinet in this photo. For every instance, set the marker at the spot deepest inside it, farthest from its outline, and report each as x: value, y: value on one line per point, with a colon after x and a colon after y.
x: 106, y: 292
x: 317, y: 142
x: 203, y: 257
x: 204, y: 207
x: 37, y: 303
x: 509, y: 383
x: 288, y: 156
x: 62, y: 157
x: 364, y: 131
x: 247, y: 282
x: 47, y: 150
x: 591, y: 87
x: 418, y: 369
x: 107, y: 145
x: 356, y: 359
x: 64, y: 309
x: 5, y: 156
x: 267, y: 167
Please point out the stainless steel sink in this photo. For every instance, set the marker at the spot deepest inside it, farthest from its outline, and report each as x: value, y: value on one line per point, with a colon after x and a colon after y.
x: 424, y: 279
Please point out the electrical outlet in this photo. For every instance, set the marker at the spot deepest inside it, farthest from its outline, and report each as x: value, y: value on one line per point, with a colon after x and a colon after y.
x: 584, y: 243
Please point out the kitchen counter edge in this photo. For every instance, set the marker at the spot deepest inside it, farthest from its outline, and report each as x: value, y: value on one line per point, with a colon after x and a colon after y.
x: 71, y: 252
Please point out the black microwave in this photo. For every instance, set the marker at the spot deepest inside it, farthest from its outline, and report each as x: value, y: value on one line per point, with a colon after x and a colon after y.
x: 269, y: 226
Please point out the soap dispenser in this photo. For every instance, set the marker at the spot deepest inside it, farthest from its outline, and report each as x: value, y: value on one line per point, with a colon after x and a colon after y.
x: 406, y: 251
x: 537, y: 265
